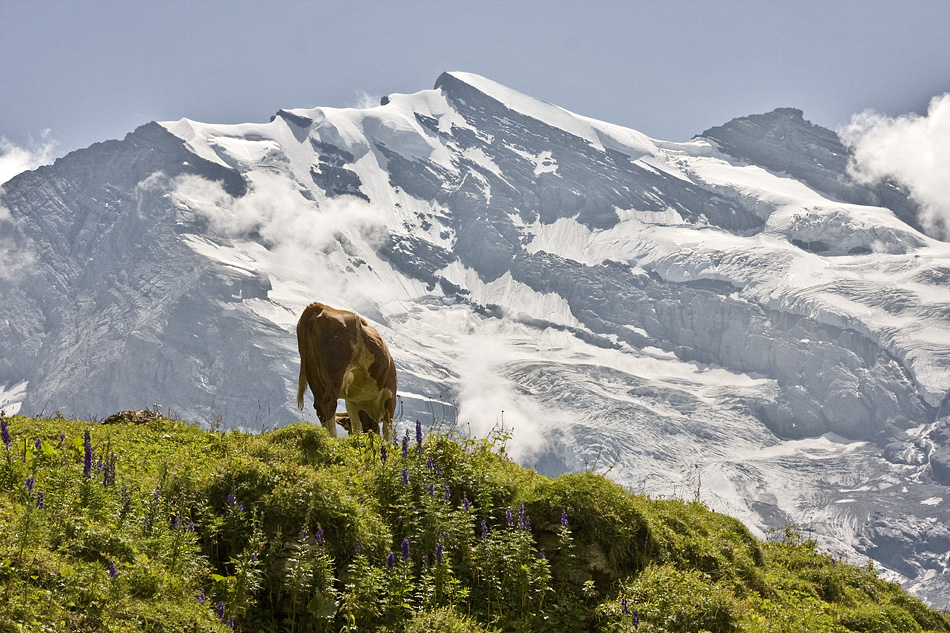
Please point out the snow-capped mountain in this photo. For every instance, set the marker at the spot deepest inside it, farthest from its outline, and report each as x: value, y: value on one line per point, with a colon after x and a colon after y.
x: 733, y: 317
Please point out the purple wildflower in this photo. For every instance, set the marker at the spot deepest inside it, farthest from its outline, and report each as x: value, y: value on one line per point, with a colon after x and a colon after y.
x: 5, y: 433
x: 429, y: 462
x: 113, y: 572
x: 99, y: 465
x: 231, y: 500
x: 405, y: 476
x: 155, y: 495
x: 484, y: 530
x: 318, y: 536
x: 419, y: 434
x: 86, y: 455
x: 405, y: 445
x: 448, y: 492
x: 108, y: 477
x: 202, y: 597
x: 636, y: 619
x: 465, y: 504
x: 62, y: 438
x: 191, y: 526
x: 405, y: 549
x: 382, y: 453
x: 390, y: 561
x: 221, y: 611
x: 39, y: 501
x: 522, y: 520
x: 563, y: 518
x: 29, y: 485
x: 623, y: 606
x: 38, y: 445
x: 543, y: 555
x: 431, y: 490
x: 230, y: 622
x: 359, y: 548
x: 127, y: 502
x: 425, y: 562
x: 438, y: 553
x: 509, y: 519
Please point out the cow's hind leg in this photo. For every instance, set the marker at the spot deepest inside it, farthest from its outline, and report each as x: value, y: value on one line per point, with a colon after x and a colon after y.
x: 356, y: 423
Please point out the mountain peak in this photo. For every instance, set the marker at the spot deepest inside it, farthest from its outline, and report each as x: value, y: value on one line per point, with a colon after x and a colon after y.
x: 786, y: 113
x: 457, y: 84
x: 784, y: 141
x: 468, y: 90
x: 770, y: 126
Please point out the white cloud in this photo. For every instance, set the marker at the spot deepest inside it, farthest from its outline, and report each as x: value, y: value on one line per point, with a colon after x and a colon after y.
x: 307, y: 241
x: 365, y: 100
x: 912, y: 150
x: 488, y: 401
x: 15, y: 159
x: 14, y: 256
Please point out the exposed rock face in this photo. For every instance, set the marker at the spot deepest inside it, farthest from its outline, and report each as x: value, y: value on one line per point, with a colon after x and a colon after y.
x: 113, y: 283
x: 734, y: 316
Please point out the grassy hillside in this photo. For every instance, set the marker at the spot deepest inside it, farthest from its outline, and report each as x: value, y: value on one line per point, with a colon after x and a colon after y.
x: 162, y: 526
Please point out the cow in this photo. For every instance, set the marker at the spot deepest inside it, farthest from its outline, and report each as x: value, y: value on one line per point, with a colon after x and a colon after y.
x: 342, y: 356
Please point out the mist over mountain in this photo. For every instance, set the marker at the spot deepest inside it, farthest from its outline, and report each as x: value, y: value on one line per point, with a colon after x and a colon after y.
x: 740, y: 317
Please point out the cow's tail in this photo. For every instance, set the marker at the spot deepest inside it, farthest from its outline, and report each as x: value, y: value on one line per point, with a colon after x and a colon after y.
x: 302, y: 340
x: 302, y: 382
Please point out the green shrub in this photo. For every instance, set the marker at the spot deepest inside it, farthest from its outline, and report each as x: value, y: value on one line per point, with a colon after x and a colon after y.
x: 681, y: 600
x: 443, y: 620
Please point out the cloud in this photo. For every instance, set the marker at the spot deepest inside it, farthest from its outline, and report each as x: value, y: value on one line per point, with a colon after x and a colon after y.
x: 15, y: 159
x: 488, y: 400
x: 308, y: 242
x: 912, y: 150
x: 365, y: 100
x: 16, y: 256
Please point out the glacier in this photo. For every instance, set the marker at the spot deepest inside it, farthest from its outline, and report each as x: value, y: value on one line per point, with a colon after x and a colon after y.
x: 732, y: 319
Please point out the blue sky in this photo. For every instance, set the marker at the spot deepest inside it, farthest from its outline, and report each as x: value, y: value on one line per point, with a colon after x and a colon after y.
x: 74, y: 73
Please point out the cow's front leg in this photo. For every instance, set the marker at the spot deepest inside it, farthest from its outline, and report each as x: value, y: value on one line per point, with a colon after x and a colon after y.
x: 326, y: 411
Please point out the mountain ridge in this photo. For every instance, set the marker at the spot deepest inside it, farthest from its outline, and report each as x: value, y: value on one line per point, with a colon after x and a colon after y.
x: 666, y: 307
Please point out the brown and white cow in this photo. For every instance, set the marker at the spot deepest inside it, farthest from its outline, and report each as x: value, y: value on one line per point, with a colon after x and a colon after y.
x: 342, y: 356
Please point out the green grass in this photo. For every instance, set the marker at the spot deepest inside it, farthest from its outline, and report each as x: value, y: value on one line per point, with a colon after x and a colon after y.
x: 294, y: 531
